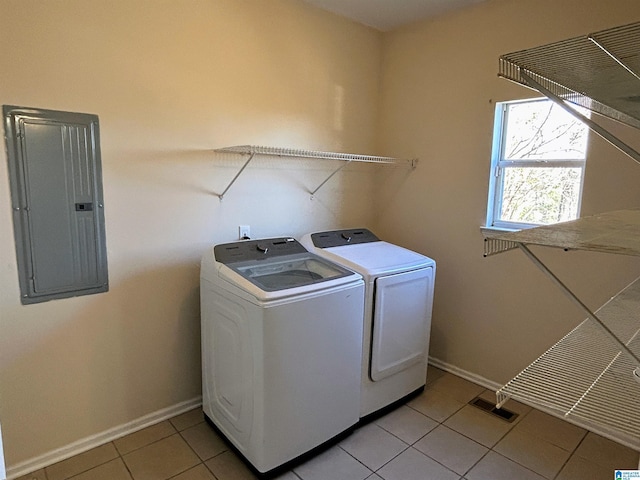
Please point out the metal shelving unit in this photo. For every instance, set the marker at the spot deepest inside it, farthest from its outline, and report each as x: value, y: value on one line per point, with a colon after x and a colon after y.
x: 587, y: 377
x: 599, y: 71
x: 252, y: 150
x: 590, y: 377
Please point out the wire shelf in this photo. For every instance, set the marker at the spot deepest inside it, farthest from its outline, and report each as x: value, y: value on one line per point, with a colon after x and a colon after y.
x: 615, y: 232
x: 585, y: 378
x: 291, y: 152
x: 253, y: 150
x: 597, y: 71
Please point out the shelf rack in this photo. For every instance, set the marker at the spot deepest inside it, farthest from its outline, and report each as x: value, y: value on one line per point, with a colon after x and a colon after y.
x: 589, y: 376
x: 252, y: 150
x: 599, y: 71
x: 585, y: 379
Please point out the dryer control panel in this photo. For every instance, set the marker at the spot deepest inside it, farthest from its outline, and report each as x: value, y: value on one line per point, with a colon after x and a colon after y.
x: 338, y: 238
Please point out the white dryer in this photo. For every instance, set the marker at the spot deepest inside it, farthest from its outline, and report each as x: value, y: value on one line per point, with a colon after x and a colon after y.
x: 399, y: 287
x: 281, y: 349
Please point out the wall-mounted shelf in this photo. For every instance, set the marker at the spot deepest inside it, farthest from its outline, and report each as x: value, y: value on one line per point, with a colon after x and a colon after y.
x: 599, y: 71
x: 615, y: 232
x: 252, y: 150
x: 585, y: 378
x: 592, y: 376
x: 588, y: 376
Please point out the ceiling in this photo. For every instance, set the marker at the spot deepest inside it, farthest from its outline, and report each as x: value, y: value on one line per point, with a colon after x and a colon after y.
x: 386, y: 15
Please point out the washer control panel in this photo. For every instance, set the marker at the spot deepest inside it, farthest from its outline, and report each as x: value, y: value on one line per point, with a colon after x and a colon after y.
x: 256, y: 249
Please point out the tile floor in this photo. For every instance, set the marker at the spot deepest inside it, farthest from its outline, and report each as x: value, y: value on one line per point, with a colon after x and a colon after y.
x: 434, y: 436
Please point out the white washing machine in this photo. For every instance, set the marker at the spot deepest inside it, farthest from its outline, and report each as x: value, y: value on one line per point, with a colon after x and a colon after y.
x: 397, y: 315
x: 281, y: 349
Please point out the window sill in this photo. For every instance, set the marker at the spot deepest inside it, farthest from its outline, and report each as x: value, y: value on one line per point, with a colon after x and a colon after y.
x: 504, y: 229
x: 494, y: 230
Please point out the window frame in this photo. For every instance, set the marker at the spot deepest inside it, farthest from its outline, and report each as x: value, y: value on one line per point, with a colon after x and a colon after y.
x: 499, y: 164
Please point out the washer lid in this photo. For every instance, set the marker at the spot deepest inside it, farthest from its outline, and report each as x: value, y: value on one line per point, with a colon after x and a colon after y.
x: 377, y: 258
x: 276, y: 264
x: 292, y: 271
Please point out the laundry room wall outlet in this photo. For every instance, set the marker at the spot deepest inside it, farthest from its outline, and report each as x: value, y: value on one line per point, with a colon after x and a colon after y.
x: 244, y: 232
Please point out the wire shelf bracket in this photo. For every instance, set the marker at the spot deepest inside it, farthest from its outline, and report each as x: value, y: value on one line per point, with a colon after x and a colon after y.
x: 602, y: 132
x: 493, y: 246
x: 221, y: 196
x: 612, y: 336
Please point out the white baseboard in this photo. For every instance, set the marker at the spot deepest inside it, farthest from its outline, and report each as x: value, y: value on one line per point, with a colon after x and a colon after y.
x: 472, y: 377
x: 75, y: 448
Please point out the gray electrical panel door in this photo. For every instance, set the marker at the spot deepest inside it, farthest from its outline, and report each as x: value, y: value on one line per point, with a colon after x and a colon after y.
x: 56, y: 194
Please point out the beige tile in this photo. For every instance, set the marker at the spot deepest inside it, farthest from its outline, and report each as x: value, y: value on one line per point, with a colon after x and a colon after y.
x: 434, y: 373
x: 532, y: 452
x: 187, y: 419
x: 332, y: 464
x: 161, y: 460
x: 373, y: 446
x: 478, y: 425
x: 82, y: 462
x: 37, y: 475
x: 227, y: 466
x: 144, y: 437
x: 578, y: 468
x: 435, y: 404
x: 496, y: 467
x: 113, y: 470
x: 204, y: 441
x: 199, y: 472
x: 551, y: 429
x: 414, y: 465
x: 456, y: 387
x: 407, y: 424
x: 453, y: 450
x: 606, y: 453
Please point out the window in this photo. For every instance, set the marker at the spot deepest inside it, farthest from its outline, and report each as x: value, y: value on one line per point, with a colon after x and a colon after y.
x: 538, y: 161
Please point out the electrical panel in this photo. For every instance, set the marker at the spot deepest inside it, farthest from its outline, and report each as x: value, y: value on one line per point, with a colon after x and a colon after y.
x: 57, y: 201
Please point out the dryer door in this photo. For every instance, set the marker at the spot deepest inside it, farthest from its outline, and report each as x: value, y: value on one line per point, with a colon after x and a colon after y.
x: 401, y: 321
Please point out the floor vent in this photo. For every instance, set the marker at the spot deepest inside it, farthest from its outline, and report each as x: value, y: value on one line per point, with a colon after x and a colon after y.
x: 491, y: 408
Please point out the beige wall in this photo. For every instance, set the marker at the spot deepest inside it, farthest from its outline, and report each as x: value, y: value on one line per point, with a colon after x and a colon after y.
x: 491, y: 316
x: 170, y: 81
